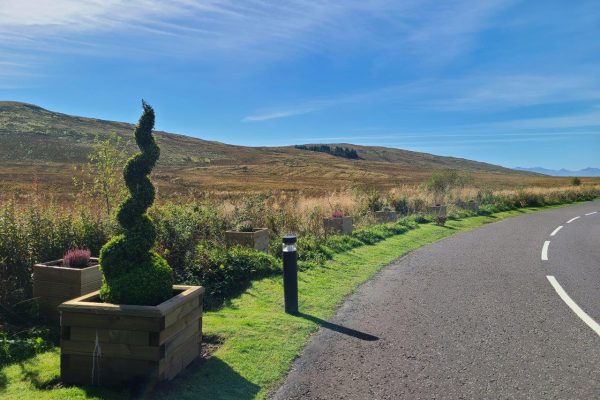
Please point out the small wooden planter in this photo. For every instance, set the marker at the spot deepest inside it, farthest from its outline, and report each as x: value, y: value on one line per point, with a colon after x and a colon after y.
x: 258, y: 240
x: 438, y: 210
x: 54, y: 284
x: 473, y: 206
x: 341, y: 225
x: 111, y: 344
x: 385, y: 216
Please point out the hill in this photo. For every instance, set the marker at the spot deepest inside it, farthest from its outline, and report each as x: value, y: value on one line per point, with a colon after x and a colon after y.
x: 589, y: 171
x: 42, y: 145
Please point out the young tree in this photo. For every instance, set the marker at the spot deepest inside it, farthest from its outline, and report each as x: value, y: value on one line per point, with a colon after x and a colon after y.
x: 104, y: 171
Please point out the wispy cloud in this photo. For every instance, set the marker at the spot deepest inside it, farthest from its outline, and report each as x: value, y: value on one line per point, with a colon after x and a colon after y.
x: 278, y: 114
x: 580, y: 120
x: 262, y: 31
x: 468, y: 94
x: 503, y: 91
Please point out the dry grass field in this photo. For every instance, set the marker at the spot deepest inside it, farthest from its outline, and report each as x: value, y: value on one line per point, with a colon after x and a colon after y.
x: 42, y: 148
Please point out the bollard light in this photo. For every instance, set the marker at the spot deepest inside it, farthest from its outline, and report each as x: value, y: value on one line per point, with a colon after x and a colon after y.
x: 290, y: 274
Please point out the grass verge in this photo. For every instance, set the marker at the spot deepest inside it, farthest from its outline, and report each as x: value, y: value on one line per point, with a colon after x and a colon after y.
x: 260, y: 342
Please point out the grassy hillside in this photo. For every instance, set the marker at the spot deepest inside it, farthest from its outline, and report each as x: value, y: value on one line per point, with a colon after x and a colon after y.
x: 41, y: 145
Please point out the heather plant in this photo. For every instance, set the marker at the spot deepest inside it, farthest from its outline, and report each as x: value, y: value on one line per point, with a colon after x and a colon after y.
x: 337, y: 214
x: 132, y: 272
x: 77, y: 258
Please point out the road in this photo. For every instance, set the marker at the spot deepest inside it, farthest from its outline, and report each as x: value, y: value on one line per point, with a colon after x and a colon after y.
x: 476, y: 315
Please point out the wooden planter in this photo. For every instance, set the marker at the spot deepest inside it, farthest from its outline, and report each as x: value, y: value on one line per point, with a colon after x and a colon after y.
x: 54, y: 284
x: 258, y: 240
x: 385, y: 216
x: 111, y: 345
x: 341, y: 225
x: 438, y: 210
x: 473, y: 206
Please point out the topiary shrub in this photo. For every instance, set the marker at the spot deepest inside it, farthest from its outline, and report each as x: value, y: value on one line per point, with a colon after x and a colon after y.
x: 132, y: 272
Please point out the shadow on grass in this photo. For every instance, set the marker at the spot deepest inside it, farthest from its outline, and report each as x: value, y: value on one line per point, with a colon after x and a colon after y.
x: 205, y: 379
x: 449, y: 227
x: 31, y: 372
x: 338, y: 328
x: 3, y: 381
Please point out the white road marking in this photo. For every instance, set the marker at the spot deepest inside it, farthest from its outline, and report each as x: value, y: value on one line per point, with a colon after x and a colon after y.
x: 573, y: 306
x: 573, y: 219
x: 545, y: 250
x: 556, y: 230
x: 592, y: 213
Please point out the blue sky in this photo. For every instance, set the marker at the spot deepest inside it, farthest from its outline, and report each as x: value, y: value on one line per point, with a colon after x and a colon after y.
x: 515, y: 83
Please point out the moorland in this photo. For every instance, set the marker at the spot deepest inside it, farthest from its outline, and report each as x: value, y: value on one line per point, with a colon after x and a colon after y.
x: 42, y: 146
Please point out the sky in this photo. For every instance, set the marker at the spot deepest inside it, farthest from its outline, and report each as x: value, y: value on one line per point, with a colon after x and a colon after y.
x: 515, y: 83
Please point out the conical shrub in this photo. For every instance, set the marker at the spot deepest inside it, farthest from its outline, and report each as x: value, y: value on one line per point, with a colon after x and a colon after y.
x: 132, y: 272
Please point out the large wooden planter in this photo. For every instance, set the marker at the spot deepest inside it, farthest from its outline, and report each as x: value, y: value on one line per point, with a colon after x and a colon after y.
x: 54, y: 284
x: 341, y: 225
x: 112, y: 345
x: 386, y: 216
x: 258, y: 239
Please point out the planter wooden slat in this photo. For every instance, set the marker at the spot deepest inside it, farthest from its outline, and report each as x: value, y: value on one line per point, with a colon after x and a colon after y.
x: 120, y: 322
x: 123, y: 337
x: 66, y: 291
x: 108, y: 371
x: 173, y: 316
x: 91, y: 274
x: 179, y: 358
x: 116, y: 350
x: 186, y: 320
x: 139, y: 338
x: 183, y: 336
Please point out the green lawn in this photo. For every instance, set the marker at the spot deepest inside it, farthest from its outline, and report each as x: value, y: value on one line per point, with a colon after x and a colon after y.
x: 260, y: 342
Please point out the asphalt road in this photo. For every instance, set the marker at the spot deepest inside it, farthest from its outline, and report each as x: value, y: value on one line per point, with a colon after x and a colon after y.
x: 473, y: 316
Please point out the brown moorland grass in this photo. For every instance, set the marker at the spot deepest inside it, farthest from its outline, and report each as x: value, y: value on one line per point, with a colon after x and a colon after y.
x: 37, y: 145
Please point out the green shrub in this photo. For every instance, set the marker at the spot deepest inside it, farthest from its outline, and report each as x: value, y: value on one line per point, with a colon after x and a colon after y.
x: 225, y: 273
x: 132, y: 272
x: 440, y: 182
x: 575, y: 181
x: 23, y: 346
x: 400, y: 205
x: 180, y: 227
x: 36, y: 233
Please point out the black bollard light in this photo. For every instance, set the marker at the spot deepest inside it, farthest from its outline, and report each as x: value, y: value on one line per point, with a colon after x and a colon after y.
x: 290, y: 274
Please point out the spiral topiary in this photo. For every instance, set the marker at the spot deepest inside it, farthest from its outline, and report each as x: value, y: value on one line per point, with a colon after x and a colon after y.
x: 132, y: 272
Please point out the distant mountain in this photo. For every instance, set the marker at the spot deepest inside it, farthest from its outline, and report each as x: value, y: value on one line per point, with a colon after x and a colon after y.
x: 562, y: 172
